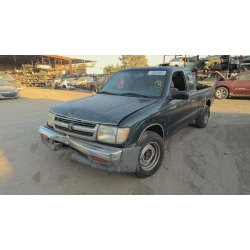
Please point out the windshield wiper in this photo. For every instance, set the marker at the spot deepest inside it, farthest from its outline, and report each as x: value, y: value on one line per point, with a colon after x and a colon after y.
x: 105, y: 92
x: 134, y: 94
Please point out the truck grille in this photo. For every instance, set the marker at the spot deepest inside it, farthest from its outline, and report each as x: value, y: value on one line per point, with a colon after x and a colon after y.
x: 76, y: 128
x: 12, y: 94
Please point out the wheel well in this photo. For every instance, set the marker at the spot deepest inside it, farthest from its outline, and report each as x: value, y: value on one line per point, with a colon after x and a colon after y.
x: 157, y: 129
x: 208, y: 103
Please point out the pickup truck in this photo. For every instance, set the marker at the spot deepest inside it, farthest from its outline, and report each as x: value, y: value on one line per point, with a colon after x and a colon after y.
x: 123, y: 127
x: 236, y: 86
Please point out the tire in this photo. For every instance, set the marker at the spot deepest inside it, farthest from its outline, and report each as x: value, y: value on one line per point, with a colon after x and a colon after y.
x: 221, y: 93
x: 202, y: 120
x: 151, y: 154
x: 63, y: 87
x: 92, y: 88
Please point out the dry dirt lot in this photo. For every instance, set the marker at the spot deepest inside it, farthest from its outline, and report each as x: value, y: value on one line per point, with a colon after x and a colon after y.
x: 213, y: 160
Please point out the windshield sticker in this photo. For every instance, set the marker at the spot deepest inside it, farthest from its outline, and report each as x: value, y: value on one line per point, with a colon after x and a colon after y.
x: 158, y: 84
x: 157, y: 73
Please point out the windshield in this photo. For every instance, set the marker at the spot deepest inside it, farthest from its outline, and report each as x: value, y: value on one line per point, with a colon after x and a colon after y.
x: 140, y: 82
x: 7, y: 77
x: 4, y: 83
x: 82, y: 78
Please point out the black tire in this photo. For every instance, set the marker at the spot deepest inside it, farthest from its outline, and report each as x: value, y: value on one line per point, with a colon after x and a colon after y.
x: 151, y: 154
x: 92, y: 88
x: 221, y: 93
x: 63, y: 87
x: 202, y: 120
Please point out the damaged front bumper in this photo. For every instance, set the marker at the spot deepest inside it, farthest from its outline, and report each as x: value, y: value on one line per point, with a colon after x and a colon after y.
x: 90, y: 153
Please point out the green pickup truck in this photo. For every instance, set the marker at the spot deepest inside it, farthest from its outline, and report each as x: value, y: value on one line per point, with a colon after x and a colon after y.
x: 123, y: 127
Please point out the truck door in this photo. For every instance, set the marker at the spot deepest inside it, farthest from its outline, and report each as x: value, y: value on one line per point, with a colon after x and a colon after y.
x: 178, y: 110
x: 242, y: 85
x: 193, y: 94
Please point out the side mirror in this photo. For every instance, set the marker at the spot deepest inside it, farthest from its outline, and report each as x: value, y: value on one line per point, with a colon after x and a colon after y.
x: 183, y: 95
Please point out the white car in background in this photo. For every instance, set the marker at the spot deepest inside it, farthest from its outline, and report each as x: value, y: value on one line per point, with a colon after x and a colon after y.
x: 62, y: 84
x: 66, y: 84
x: 84, y: 82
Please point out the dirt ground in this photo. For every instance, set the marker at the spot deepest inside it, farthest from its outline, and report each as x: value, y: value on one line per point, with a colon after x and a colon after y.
x: 214, y: 160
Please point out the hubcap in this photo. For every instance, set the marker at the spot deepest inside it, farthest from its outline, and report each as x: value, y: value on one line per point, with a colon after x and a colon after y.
x: 150, y: 156
x: 221, y: 93
x: 206, y: 118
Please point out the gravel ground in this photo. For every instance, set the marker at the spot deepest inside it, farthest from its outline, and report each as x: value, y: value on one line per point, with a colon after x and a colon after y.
x: 213, y: 160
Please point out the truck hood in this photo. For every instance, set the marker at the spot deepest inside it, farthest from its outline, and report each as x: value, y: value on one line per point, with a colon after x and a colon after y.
x: 102, y: 108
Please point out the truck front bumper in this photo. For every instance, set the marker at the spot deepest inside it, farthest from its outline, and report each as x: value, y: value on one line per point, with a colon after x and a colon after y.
x: 91, y: 153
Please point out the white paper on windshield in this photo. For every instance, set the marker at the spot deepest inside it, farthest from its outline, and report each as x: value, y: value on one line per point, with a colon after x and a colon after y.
x: 157, y: 73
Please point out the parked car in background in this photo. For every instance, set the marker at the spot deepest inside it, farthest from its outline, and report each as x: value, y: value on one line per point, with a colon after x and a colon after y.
x: 10, y: 79
x: 245, y: 63
x: 180, y: 62
x: 65, y: 84
x: 61, y: 83
x: 7, y: 90
x: 84, y: 82
x: 99, y: 83
x: 236, y: 86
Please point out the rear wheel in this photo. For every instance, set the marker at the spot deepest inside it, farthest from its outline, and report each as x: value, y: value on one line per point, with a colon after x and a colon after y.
x: 151, y: 154
x: 202, y: 120
x: 221, y: 93
x: 64, y: 87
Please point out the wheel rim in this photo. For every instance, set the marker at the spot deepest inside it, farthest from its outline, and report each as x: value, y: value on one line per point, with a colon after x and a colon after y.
x: 150, y: 156
x: 221, y: 93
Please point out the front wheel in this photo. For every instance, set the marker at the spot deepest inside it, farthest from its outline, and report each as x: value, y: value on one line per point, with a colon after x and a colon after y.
x: 151, y: 154
x: 221, y: 93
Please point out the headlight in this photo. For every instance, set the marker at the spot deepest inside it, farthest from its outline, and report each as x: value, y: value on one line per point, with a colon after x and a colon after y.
x: 51, y: 118
x: 112, y: 134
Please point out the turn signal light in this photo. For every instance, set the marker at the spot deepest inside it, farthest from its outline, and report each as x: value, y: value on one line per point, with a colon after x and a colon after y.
x: 45, y: 137
x: 99, y: 160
